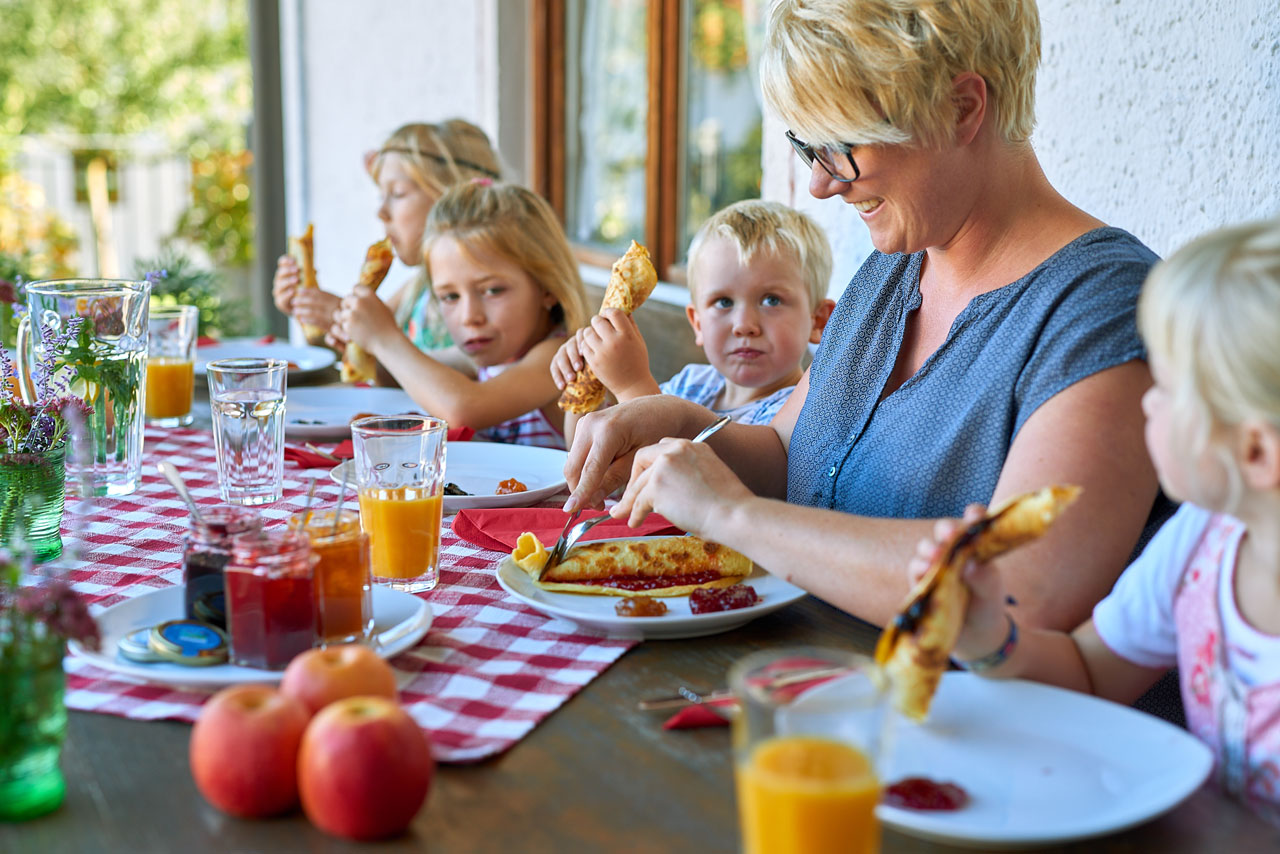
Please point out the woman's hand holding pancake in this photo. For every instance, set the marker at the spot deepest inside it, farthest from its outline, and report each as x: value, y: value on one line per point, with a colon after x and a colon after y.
x: 685, y: 482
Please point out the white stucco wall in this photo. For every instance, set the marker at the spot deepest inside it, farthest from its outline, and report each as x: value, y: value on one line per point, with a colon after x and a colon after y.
x: 1158, y: 116
x: 351, y: 77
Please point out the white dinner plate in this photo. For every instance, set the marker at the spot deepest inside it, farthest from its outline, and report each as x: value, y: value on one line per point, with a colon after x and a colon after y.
x: 305, y: 359
x: 597, y: 612
x: 1042, y: 765
x: 324, y: 413
x: 478, y: 467
x: 400, y: 620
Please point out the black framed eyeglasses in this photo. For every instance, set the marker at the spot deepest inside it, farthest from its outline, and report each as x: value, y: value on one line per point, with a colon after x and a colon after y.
x: 827, y: 157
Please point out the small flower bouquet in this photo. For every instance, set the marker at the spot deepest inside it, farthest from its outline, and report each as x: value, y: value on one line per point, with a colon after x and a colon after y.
x: 36, y: 621
x: 33, y: 438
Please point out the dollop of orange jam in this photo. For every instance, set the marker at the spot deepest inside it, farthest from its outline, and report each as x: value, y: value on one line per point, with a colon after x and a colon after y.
x: 640, y: 606
x: 510, y: 486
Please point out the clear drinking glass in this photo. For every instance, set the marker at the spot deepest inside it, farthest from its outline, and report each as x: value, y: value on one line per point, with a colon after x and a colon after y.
x: 806, y: 742
x: 104, y: 363
x: 171, y: 358
x: 400, y: 464
x: 247, y: 397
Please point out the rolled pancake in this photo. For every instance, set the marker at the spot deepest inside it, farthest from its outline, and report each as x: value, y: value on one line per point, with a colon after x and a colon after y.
x: 631, y: 281
x: 358, y: 365
x: 915, y: 647
x: 662, y: 566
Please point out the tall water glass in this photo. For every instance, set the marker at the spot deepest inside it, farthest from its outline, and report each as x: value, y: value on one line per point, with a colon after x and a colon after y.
x: 247, y: 397
x: 400, y: 464
x: 806, y: 742
x: 171, y: 357
x: 103, y: 362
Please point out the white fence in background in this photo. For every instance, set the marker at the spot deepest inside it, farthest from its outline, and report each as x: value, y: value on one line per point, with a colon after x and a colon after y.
x: 150, y: 189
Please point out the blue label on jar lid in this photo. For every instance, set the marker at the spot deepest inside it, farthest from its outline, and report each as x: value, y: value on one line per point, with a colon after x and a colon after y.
x: 189, y: 642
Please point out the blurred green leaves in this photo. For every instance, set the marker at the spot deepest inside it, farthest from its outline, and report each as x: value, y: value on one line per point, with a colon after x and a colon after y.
x: 125, y: 66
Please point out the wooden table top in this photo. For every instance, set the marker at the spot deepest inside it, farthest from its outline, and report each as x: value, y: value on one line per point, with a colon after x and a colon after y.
x: 597, y: 775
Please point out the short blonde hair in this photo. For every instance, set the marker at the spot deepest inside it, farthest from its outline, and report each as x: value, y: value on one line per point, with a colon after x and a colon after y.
x: 440, y: 155
x: 755, y: 226
x: 881, y: 71
x: 1211, y: 315
x: 517, y: 224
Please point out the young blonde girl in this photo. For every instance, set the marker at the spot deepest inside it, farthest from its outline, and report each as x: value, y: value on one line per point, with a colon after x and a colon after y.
x: 1205, y: 594
x: 412, y: 169
x: 508, y: 289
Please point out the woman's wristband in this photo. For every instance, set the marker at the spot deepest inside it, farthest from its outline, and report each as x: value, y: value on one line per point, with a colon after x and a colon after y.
x: 997, y: 658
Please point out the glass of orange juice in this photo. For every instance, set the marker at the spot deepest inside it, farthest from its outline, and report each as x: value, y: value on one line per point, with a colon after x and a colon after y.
x: 400, y: 476
x: 171, y: 357
x: 806, y: 744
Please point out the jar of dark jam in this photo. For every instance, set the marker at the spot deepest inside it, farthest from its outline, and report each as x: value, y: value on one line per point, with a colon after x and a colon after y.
x: 205, y: 555
x: 271, y: 613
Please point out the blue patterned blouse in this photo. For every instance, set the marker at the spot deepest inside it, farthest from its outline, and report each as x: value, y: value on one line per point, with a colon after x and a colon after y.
x: 939, y: 441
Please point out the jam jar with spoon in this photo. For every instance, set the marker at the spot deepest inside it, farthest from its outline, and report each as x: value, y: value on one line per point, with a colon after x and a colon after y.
x: 205, y: 555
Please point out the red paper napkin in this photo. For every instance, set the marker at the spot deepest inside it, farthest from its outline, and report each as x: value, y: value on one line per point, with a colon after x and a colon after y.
x: 206, y: 341
x: 694, y: 716
x: 311, y: 460
x: 498, y: 529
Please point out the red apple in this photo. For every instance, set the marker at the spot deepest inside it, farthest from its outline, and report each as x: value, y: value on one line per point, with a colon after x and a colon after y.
x: 364, y: 769
x: 319, y: 677
x: 244, y: 750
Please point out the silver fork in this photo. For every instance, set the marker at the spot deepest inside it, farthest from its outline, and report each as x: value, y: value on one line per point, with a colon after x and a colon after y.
x: 569, y: 538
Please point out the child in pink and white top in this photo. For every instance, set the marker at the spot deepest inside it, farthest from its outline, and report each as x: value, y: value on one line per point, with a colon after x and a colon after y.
x: 1205, y: 593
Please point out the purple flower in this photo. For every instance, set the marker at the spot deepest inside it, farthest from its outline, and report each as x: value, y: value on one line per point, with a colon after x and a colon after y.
x: 60, y: 608
x: 39, y: 427
x: 8, y: 293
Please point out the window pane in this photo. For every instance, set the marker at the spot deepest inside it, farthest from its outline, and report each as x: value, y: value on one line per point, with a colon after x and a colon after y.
x: 606, y: 111
x: 722, y: 120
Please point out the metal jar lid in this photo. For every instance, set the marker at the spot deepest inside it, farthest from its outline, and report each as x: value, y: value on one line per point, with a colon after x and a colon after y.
x: 189, y: 642
x: 136, y: 646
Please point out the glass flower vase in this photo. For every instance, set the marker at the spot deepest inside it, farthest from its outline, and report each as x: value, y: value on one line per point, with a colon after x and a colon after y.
x: 33, y: 722
x: 31, y: 502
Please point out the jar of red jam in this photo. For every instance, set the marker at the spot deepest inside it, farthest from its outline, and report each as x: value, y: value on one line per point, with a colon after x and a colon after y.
x: 271, y: 614
x: 205, y: 555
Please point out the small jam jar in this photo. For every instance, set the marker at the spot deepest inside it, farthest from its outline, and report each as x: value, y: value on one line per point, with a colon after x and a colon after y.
x: 205, y: 555
x: 343, y: 582
x: 271, y: 614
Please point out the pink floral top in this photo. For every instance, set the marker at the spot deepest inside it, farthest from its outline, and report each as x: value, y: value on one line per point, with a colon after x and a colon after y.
x: 1240, y: 723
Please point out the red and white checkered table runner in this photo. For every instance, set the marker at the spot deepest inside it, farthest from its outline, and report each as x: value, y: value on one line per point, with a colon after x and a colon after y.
x: 485, y: 674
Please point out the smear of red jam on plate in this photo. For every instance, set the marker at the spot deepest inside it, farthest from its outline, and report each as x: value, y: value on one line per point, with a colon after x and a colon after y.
x: 708, y: 599
x: 921, y: 793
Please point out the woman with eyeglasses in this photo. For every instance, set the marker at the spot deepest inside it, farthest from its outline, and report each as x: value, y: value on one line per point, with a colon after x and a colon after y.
x: 412, y: 169
x: 987, y: 347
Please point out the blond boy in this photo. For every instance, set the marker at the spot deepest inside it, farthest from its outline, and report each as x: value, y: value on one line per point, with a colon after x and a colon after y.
x: 758, y: 274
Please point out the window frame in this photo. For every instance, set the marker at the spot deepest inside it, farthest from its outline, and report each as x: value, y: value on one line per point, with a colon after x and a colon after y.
x: 662, y: 132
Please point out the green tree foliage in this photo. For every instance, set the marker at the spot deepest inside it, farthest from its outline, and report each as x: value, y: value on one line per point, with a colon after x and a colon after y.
x: 125, y: 66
